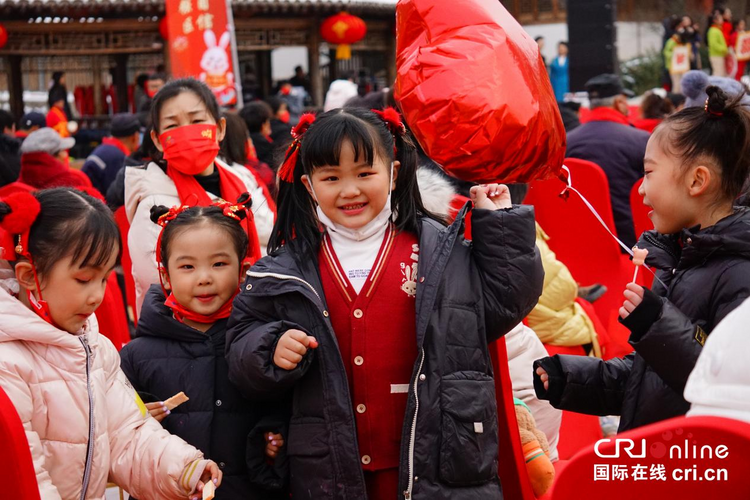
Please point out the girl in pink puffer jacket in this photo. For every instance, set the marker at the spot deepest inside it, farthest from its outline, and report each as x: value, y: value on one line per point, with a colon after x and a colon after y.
x: 84, y: 422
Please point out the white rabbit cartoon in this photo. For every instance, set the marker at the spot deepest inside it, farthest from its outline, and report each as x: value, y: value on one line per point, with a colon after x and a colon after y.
x: 215, y: 62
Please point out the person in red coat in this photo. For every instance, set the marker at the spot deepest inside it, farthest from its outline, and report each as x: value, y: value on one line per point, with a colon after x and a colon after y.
x: 44, y: 161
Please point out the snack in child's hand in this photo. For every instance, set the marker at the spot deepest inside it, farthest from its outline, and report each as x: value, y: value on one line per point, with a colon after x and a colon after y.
x: 176, y: 401
x: 209, y: 490
x: 639, y: 256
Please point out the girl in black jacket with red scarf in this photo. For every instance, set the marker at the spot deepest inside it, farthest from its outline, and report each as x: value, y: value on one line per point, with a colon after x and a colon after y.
x: 695, y: 166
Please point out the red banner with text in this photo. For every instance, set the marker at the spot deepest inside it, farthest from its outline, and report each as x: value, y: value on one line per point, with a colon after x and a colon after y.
x: 200, y: 45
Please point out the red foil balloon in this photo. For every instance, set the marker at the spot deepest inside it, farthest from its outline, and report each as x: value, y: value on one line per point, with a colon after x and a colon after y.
x: 475, y: 92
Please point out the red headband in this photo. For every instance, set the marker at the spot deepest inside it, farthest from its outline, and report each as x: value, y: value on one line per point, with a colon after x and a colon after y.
x: 286, y: 172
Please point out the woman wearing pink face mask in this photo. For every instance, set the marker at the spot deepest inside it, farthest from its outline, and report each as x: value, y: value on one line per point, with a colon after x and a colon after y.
x: 188, y: 128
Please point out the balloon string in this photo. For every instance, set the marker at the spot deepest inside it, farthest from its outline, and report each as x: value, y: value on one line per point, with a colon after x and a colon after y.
x: 591, y: 208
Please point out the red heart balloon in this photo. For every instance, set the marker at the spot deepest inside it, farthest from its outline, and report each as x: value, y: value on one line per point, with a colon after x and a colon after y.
x: 474, y: 90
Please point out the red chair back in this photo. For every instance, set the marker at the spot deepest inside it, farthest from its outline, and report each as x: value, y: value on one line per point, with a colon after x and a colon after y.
x: 684, y: 457
x: 127, y: 264
x: 16, y: 467
x: 577, y: 237
x: 511, y: 462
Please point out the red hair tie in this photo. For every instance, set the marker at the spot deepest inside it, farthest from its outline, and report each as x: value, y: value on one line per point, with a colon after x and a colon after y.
x: 286, y: 172
x: 715, y: 113
x: 393, y: 121
x: 171, y: 215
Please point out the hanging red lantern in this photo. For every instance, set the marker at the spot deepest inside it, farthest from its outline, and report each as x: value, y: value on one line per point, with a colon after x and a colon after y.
x: 343, y: 30
x: 3, y: 36
x: 164, y: 28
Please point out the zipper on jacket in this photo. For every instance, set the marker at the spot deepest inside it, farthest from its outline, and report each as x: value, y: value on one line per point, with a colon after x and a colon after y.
x: 413, y: 435
x: 285, y: 277
x: 90, y: 448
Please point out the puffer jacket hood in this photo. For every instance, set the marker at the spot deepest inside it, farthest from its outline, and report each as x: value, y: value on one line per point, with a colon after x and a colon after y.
x: 83, y: 421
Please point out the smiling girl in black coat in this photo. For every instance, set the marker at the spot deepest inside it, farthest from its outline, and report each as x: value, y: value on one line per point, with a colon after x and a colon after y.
x: 695, y: 166
x: 181, y: 337
x: 377, y: 326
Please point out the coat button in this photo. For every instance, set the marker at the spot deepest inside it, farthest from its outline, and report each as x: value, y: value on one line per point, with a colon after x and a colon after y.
x: 358, y: 313
x: 325, y: 314
x: 421, y: 280
x: 218, y: 402
x: 690, y: 241
x: 249, y: 287
x: 366, y: 459
x: 359, y: 360
x: 361, y: 408
x: 423, y: 377
x: 222, y: 465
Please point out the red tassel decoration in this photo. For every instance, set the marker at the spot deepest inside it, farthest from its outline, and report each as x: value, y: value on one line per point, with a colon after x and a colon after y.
x: 286, y: 172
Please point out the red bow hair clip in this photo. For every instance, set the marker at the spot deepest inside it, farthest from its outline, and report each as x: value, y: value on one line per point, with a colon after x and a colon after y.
x: 231, y: 209
x: 24, y: 210
x: 171, y: 215
x: 393, y: 121
x: 286, y: 172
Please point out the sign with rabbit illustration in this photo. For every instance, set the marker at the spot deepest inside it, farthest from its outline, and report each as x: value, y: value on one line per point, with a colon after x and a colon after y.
x: 203, y: 27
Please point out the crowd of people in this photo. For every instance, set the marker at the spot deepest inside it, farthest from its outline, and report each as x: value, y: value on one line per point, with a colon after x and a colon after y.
x: 684, y: 44
x: 315, y: 297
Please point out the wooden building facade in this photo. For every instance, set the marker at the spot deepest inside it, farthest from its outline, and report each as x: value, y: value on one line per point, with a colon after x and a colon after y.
x: 98, y: 43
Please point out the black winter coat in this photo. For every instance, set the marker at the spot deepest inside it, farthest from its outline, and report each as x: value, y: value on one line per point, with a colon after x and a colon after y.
x: 168, y: 357
x: 10, y: 159
x: 468, y: 294
x: 707, y: 274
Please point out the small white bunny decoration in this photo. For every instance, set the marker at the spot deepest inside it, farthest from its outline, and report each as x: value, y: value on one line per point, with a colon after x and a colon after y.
x: 215, y: 64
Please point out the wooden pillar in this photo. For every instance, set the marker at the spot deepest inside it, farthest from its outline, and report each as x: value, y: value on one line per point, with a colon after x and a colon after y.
x: 121, y: 82
x: 313, y: 62
x: 264, y: 72
x: 15, y: 85
x: 333, y: 66
x: 391, y: 56
x: 97, y: 71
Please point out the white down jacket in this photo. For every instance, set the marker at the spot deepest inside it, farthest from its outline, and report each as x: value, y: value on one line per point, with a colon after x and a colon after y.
x: 73, y: 400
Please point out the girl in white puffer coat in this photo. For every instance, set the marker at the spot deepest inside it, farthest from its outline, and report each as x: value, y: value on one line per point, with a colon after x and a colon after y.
x: 84, y: 422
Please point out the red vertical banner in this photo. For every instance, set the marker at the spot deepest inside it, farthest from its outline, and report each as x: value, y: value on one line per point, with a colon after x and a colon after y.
x: 201, y: 37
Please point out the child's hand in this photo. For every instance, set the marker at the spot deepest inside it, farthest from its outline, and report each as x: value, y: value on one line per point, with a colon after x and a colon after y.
x: 491, y: 196
x: 158, y: 410
x: 210, y: 473
x: 291, y: 348
x: 543, y: 375
x: 274, y: 442
x: 633, y: 297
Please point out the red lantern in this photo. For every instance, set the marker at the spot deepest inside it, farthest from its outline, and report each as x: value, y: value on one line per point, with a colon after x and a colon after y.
x: 3, y: 36
x: 343, y: 29
x: 164, y: 28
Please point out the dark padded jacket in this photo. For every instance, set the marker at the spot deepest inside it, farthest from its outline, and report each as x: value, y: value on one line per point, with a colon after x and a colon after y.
x: 707, y: 275
x: 468, y: 294
x: 167, y: 357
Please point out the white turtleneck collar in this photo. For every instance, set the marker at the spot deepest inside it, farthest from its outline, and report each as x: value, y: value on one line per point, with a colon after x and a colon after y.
x: 357, y: 249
